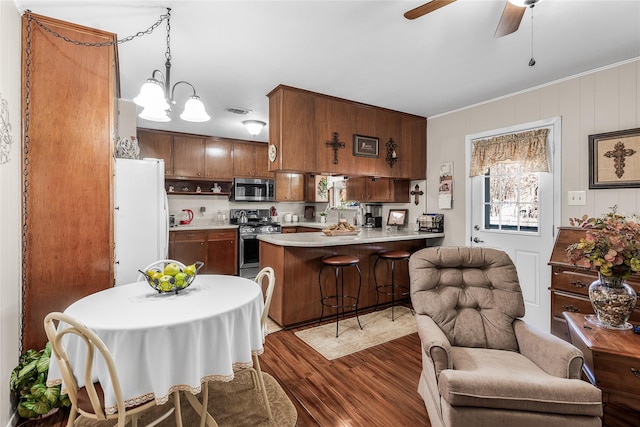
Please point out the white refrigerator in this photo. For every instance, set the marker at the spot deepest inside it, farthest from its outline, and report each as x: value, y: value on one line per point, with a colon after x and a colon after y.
x: 141, y: 217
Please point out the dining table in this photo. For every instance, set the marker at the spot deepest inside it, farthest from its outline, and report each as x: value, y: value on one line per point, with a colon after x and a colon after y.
x: 163, y: 342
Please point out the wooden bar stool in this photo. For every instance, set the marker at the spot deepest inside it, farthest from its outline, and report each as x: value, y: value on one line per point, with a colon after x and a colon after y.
x: 392, y: 289
x: 340, y: 300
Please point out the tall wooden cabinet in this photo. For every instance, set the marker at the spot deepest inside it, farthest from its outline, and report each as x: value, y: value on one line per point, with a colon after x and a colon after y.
x: 570, y: 284
x: 68, y: 209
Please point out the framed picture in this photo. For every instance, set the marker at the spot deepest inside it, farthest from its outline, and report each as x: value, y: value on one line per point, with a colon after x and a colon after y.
x: 397, y: 217
x: 365, y: 146
x: 614, y: 159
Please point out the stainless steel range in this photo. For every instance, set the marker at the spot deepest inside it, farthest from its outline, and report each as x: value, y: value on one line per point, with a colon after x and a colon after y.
x: 251, y: 223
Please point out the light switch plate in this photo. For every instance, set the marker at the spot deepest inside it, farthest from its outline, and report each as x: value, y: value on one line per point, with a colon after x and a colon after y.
x: 576, y: 198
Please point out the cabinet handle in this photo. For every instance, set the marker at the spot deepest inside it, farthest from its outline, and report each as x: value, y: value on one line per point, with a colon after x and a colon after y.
x: 635, y: 372
x: 577, y: 284
x: 571, y: 308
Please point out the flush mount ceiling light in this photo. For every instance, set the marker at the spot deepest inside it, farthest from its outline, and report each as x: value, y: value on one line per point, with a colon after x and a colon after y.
x: 156, y: 99
x: 523, y: 3
x: 254, y: 127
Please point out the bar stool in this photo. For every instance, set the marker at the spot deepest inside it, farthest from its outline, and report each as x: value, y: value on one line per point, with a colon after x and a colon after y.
x: 340, y: 300
x: 393, y: 289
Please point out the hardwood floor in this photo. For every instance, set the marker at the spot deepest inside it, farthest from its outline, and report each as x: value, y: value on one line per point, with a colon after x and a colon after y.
x: 376, y: 387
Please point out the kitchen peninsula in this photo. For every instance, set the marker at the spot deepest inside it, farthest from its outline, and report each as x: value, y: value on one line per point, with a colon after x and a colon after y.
x: 295, y: 258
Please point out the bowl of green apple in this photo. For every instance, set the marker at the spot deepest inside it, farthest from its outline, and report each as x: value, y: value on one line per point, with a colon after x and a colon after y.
x: 169, y: 275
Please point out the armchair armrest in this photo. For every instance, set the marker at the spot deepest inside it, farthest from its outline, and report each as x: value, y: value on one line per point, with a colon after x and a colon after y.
x: 552, y: 354
x: 435, y: 343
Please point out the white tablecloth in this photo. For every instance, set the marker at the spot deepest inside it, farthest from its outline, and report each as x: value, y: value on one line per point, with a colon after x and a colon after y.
x: 164, y: 342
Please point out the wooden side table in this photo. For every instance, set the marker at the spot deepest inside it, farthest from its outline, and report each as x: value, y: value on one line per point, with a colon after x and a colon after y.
x: 612, y: 363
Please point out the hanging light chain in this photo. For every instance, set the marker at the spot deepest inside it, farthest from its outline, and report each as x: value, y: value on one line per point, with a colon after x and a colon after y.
x: 532, y: 61
x: 168, y: 53
x: 103, y: 44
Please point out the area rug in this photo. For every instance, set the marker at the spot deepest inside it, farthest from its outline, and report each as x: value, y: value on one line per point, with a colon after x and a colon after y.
x: 231, y: 404
x: 377, y: 328
x: 272, y: 326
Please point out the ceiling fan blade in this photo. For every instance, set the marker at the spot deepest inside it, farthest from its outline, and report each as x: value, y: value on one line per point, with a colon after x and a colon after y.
x: 510, y: 19
x: 426, y: 8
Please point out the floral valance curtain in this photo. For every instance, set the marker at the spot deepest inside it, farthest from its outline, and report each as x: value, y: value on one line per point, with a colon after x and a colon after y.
x: 527, y: 148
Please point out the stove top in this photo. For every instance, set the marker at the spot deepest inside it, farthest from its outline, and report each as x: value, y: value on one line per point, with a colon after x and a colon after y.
x: 260, y: 228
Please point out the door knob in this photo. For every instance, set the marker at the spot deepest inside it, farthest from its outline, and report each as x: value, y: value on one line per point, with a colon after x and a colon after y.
x: 476, y: 240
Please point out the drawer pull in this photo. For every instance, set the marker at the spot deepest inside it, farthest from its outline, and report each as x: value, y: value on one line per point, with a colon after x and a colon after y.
x: 571, y: 308
x: 578, y: 284
x: 635, y: 372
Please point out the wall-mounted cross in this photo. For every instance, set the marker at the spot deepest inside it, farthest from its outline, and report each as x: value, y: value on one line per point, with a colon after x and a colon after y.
x: 618, y: 154
x: 416, y: 193
x: 335, y: 145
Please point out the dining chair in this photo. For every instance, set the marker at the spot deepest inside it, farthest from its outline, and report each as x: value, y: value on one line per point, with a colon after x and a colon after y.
x: 267, y: 274
x: 88, y: 401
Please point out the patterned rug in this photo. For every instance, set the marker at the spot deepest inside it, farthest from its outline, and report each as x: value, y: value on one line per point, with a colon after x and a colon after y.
x: 377, y: 328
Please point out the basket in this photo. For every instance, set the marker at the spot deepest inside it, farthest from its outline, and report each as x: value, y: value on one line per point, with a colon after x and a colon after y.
x: 340, y: 232
x: 176, y: 281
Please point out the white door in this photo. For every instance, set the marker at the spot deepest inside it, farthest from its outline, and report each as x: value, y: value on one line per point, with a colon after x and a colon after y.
x: 519, y: 213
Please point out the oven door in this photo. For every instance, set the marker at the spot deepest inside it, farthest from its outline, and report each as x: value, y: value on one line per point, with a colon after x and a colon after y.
x: 249, y: 249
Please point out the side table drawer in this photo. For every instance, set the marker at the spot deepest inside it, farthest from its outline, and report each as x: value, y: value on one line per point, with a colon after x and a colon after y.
x: 572, y: 281
x: 616, y: 372
x: 574, y: 304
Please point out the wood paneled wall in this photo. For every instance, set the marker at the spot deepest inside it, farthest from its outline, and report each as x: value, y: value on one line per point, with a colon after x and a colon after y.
x: 68, y: 205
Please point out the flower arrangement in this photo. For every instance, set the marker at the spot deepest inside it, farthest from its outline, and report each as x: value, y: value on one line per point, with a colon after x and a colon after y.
x: 611, y: 244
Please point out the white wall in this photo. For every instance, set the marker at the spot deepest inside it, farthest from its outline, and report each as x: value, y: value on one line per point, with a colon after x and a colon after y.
x: 602, y: 101
x: 10, y: 207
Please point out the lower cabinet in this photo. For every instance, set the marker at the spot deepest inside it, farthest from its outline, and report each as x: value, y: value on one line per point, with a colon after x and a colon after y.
x: 218, y: 249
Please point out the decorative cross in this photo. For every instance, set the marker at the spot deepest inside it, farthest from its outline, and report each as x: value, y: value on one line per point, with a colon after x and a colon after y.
x: 417, y: 193
x: 618, y: 154
x: 335, y: 145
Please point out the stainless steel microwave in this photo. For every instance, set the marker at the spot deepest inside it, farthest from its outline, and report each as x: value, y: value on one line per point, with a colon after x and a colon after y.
x: 253, y: 190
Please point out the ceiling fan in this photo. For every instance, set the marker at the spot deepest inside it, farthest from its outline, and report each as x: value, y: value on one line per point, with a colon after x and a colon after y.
x: 509, y: 21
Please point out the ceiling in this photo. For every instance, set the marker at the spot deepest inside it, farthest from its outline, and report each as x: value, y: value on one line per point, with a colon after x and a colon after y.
x: 235, y: 52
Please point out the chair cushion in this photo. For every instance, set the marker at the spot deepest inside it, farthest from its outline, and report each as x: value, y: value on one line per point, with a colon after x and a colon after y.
x: 472, y: 294
x: 507, y: 380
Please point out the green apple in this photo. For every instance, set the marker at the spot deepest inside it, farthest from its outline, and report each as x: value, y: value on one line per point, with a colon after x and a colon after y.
x: 190, y: 269
x: 181, y: 280
x: 171, y: 269
x: 166, y: 282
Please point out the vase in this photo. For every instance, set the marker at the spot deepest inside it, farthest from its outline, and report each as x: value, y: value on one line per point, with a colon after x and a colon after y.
x: 613, y: 300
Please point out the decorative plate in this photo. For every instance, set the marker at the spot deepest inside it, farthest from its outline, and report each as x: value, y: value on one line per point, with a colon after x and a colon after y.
x: 273, y: 153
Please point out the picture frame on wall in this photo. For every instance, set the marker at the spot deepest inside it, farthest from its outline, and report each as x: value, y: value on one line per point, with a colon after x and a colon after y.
x: 365, y: 146
x: 614, y: 159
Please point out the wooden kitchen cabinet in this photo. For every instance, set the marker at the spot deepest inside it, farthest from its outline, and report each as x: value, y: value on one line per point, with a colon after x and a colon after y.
x: 250, y: 160
x: 218, y: 160
x: 218, y: 249
x: 334, y: 117
x: 157, y: 145
x: 188, y: 157
x: 412, y: 157
x: 290, y: 187
x: 380, y: 190
x: 222, y: 252
x: 570, y: 284
x: 262, y: 161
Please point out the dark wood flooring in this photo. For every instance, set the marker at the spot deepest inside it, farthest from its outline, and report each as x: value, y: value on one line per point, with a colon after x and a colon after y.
x: 376, y: 387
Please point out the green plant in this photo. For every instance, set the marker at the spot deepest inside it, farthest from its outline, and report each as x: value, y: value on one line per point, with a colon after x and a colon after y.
x: 29, y: 381
x: 611, y: 244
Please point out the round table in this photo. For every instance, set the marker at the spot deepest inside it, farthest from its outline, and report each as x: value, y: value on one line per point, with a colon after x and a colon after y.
x: 166, y: 342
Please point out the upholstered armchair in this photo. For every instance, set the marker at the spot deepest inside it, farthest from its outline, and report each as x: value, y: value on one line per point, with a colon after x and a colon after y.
x: 482, y: 364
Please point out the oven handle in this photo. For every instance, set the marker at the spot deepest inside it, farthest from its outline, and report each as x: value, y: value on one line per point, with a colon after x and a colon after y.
x: 249, y: 236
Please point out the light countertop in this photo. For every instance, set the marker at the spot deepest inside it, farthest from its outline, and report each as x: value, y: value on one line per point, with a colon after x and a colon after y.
x: 319, y: 239
x: 194, y: 227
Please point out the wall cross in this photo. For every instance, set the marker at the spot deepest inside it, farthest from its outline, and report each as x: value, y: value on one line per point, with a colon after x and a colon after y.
x: 618, y: 154
x: 335, y: 146
x: 416, y: 193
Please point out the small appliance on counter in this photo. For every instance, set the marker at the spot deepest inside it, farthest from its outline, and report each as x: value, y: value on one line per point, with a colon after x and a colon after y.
x: 433, y: 223
x: 373, y: 215
x: 309, y: 212
x: 186, y: 216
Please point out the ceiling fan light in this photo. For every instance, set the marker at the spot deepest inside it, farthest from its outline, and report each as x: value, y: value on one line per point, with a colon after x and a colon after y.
x: 154, y: 114
x: 523, y: 3
x: 254, y: 127
x: 194, y: 110
x: 151, y: 94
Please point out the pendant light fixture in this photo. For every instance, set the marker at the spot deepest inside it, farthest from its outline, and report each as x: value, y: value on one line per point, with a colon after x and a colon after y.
x: 254, y: 127
x: 156, y: 95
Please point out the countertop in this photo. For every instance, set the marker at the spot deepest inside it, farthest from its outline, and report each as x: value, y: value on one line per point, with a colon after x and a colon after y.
x: 205, y: 226
x: 319, y: 239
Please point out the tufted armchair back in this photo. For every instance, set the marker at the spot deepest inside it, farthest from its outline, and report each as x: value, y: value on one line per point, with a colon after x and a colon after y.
x: 471, y: 293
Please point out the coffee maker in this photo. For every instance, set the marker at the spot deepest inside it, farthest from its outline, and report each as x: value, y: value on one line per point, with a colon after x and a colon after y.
x: 373, y: 215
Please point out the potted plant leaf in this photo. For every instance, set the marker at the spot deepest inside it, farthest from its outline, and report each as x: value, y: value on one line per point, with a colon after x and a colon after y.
x: 29, y: 381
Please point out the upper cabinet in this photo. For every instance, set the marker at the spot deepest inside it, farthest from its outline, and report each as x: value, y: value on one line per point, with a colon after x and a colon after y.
x: 197, y: 157
x: 379, y: 190
x: 315, y: 133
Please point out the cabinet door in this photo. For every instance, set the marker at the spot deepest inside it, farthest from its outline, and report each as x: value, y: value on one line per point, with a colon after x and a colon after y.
x: 296, y: 185
x: 156, y: 145
x: 389, y: 127
x: 335, y: 116
x: 262, y: 161
x: 366, y: 126
x: 244, y: 160
x: 356, y: 189
x: 218, y: 162
x: 379, y: 190
x: 222, y: 252
x: 188, y: 246
x: 400, y: 192
x: 289, y: 187
x: 412, y: 156
x: 188, y: 157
